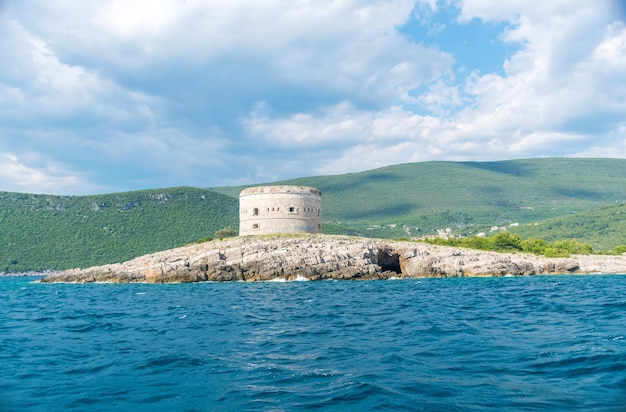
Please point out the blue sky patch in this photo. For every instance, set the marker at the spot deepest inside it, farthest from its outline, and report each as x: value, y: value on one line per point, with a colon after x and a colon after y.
x: 475, y: 45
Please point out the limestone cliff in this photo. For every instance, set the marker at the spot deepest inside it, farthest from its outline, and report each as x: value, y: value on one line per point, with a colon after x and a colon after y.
x: 317, y: 257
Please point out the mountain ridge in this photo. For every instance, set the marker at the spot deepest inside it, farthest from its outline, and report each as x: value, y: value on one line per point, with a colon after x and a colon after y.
x: 40, y: 232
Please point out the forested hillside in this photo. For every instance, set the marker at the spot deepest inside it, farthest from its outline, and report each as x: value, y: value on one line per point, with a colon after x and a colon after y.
x: 603, y: 228
x: 54, y: 232
x: 548, y: 198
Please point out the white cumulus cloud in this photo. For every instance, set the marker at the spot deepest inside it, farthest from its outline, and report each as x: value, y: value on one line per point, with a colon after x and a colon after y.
x: 33, y: 173
x: 135, y: 94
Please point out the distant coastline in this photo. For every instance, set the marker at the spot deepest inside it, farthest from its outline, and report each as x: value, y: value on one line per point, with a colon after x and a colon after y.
x: 29, y: 273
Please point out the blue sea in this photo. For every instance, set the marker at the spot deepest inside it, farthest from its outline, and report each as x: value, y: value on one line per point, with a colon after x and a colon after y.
x: 541, y: 343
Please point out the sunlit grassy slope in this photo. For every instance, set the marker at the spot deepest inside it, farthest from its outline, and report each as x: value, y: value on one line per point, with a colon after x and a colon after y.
x: 469, y: 197
x: 602, y: 228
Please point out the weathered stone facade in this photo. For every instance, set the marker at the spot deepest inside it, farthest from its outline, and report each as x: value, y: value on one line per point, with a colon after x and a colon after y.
x: 280, y: 209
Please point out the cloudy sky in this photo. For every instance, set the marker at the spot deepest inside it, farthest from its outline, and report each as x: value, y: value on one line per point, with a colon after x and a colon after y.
x: 114, y: 95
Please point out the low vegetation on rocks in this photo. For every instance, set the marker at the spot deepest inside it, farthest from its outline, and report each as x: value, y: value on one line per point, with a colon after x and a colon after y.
x: 509, y: 242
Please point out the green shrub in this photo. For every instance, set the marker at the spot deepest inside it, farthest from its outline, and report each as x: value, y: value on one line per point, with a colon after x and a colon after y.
x: 534, y: 246
x: 443, y: 242
x: 509, y: 242
x: 225, y: 232
x: 477, y: 242
x: 506, y: 241
x: 553, y: 252
x: 573, y: 246
x: 618, y: 250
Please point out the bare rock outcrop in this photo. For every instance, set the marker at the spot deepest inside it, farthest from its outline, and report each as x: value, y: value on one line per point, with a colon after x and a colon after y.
x: 319, y: 257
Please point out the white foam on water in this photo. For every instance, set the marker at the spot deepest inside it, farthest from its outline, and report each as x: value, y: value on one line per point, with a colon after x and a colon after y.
x: 298, y: 278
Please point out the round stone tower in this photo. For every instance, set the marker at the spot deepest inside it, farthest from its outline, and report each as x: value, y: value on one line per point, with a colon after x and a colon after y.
x: 280, y: 209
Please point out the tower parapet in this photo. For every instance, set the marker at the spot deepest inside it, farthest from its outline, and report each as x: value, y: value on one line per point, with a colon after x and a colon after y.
x: 280, y: 209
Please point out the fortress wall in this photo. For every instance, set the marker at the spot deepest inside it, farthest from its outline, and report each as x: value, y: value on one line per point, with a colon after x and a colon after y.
x: 280, y: 209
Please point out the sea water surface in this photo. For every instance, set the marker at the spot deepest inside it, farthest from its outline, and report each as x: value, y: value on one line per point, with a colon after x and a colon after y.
x: 545, y: 343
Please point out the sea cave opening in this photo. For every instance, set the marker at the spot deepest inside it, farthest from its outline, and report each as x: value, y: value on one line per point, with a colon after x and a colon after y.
x: 389, y: 260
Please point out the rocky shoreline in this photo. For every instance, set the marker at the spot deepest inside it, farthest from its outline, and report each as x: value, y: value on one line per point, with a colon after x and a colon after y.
x: 319, y: 257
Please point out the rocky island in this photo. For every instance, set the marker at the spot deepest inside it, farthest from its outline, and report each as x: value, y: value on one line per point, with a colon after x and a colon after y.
x: 319, y: 257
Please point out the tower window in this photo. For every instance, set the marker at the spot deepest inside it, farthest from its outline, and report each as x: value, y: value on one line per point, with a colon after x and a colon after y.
x: 255, y: 211
x: 255, y: 226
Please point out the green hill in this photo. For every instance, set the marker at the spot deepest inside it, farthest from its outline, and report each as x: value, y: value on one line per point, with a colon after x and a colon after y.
x: 603, y: 228
x: 566, y: 198
x: 417, y: 199
x: 57, y: 232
